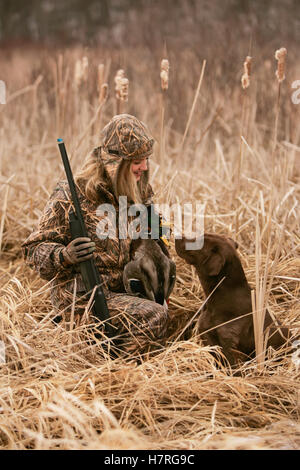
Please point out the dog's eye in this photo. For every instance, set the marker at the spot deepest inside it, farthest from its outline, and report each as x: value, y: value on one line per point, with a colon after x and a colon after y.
x: 214, y: 249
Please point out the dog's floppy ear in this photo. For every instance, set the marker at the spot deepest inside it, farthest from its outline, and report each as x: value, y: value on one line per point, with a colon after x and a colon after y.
x: 215, y: 262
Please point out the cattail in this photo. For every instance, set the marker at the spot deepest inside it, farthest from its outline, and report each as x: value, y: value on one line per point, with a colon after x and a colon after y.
x: 245, y: 81
x: 280, y: 74
x: 103, y: 94
x: 102, y: 86
x: 247, y: 65
x: 164, y: 74
x: 164, y: 77
x: 81, y: 71
x: 124, y: 89
x: 85, y: 69
x: 77, y: 73
x: 247, y: 72
x: 245, y: 84
x: 121, y: 86
x: 100, y: 76
x: 280, y: 57
x: 118, y: 83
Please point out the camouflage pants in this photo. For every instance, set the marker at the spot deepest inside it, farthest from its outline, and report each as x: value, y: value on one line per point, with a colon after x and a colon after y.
x: 140, y: 325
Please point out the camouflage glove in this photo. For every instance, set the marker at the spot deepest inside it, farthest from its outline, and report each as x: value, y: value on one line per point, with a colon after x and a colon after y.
x: 78, y: 250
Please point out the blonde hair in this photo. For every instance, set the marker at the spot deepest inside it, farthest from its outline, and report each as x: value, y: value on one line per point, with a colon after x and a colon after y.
x: 89, y: 176
x: 126, y: 184
x: 92, y: 173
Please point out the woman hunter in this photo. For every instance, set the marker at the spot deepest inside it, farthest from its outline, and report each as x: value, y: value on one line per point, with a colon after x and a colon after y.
x: 119, y: 167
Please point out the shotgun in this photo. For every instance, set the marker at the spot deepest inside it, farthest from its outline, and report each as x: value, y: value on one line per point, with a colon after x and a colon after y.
x: 89, y: 272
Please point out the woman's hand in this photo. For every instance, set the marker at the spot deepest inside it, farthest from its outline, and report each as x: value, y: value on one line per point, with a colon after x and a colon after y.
x: 78, y: 250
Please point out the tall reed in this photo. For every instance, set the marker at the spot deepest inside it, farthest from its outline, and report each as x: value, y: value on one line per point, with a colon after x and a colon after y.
x: 245, y: 81
x: 280, y: 56
x: 192, y: 110
x: 164, y: 80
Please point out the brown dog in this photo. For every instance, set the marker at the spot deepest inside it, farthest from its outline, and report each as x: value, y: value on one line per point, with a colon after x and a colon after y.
x: 218, y: 258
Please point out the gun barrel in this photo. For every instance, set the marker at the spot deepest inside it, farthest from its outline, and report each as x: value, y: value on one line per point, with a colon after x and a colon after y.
x: 72, y: 186
x: 88, y: 269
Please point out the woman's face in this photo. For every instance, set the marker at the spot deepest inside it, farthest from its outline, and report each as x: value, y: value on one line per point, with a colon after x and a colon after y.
x: 138, y: 166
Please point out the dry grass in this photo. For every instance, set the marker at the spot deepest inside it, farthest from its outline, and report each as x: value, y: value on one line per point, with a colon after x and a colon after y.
x: 58, y: 391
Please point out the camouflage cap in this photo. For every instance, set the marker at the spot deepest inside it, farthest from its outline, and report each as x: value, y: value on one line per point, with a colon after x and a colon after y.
x: 127, y: 137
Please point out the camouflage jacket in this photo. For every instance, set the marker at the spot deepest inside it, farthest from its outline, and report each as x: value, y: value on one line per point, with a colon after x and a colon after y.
x: 41, y: 249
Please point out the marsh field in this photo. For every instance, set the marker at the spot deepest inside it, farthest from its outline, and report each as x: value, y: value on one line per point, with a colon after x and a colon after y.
x: 233, y: 149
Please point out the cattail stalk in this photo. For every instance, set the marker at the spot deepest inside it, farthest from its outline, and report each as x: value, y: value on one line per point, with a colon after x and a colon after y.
x: 4, y: 209
x: 245, y: 80
x: 245, y: 84
x: 194, y: 104
x: 95, y: 121
x: 213, y: 119
x: 57, y: 103
x: 60, y: 93
x: 121, y: 89
x: 280, y: 56
x: 63, y: 95
x: 34, y: 100
x: 258, y: 305
x: 85, y: 69
x: 164, y: 76
x: 81, y: 72
x: 80, y: 79
x: 102, y: 87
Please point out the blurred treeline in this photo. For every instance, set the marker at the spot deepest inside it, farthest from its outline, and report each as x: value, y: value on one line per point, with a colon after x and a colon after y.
x: 115, y: 22
x: 136, y: 34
